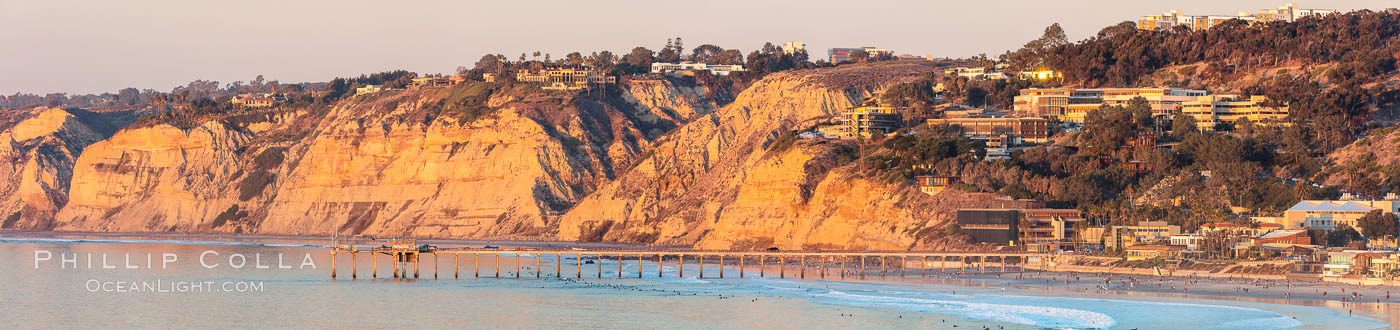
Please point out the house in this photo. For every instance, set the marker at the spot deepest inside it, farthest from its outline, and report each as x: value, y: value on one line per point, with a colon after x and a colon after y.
x: 1295, y: 236
x: 488, y: 77
x: 1039, y: 75
x: 716, y: 69
x: 262, y: 100
x: 976, y: 73
x: 565, y: 78
x: 1350, y: 262
x: 431, y: 82
x: 1190, y: 241
x: 932, y: 185
x: 369, y: 89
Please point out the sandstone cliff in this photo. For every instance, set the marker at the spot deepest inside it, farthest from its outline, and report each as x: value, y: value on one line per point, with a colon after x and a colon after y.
x: 709, y: 183
x: 477, y: 160
x: 41, y: 151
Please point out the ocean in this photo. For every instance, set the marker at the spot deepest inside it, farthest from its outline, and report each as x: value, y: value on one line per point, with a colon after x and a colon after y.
x: 66, y: 283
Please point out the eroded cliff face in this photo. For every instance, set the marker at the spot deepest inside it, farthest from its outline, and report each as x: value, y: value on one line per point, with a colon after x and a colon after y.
x: 40, y: 152
x: 712, y: 182
x: 420, y: 162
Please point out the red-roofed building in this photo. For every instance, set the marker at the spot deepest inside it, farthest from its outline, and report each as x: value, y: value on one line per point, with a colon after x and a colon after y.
x: 1286, y: 237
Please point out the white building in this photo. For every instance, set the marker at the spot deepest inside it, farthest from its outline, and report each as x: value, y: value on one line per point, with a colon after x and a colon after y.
x: 369, y: 89
x: 716, y: 69
x: 792, y: 47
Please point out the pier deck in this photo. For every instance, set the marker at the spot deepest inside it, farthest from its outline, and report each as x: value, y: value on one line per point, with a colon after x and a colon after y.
x: 406, y: 254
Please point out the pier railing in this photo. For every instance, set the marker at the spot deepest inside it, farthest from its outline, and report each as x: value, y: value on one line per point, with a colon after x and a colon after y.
x: 854, y: 263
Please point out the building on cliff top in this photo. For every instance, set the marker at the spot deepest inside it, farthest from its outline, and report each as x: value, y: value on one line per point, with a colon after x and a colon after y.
x: 1073, y: 105
x: 933, y: 184
x: 1211, y: 111
x: 864, y: 121
x: 1169, y: 20
x: 565, y: 78
x: 716, y: 69
x: 257, y: 100
x: 434, y: 82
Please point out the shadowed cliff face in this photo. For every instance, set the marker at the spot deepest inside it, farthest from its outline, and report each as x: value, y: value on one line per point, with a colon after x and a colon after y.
x: 421, y: 162
x: 712, y: 183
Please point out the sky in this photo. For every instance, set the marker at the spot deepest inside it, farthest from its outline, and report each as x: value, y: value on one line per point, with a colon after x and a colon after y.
x: 99, y: 46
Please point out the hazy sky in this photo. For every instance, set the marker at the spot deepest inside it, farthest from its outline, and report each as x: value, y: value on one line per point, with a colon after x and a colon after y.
x: 104, y: 45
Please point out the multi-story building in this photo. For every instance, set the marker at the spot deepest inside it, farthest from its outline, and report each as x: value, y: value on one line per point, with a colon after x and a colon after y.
x: 716, y: 69
x: 838, y: 55
x: 1166, y: 21
x: 1143, y: 232
x: 1073, y: 105
x: 864, y: 121
x: 565, y: 78
x: 1049, y: 225
x: 1329, y: 214
x: 1015, y: 130
x: 792, y: 47
x: 261, y: 100
x: 989, y: 226
x: 1212, y: 110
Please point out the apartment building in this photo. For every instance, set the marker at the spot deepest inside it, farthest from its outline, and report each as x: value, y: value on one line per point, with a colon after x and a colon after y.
x: 1073, y: 105
x: 1212, y: 110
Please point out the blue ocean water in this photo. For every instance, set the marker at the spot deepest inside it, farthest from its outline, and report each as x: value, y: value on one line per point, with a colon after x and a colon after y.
x: 38, y: 289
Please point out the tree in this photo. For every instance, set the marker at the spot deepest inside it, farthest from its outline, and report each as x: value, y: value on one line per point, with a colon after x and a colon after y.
x: 1183, y: 125
x: 1342, y: 235
x: 705, y: 53
x: 859, y: 56
x: 489, y: 63
x: 1379, y: 224
x: 639, y: 60
x: 574, y: 58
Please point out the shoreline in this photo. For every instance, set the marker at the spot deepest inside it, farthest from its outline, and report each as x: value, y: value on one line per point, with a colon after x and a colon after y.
x: 1371, y: 302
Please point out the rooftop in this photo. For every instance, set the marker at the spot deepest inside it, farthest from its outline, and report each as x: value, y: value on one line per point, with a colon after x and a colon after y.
x: 1330, y: 206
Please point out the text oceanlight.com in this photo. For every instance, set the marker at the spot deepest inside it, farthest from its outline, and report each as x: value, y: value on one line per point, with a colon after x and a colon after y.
x: 164, y: 286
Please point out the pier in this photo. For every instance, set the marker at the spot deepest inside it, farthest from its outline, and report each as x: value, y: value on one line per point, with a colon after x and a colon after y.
x: 407, y: 256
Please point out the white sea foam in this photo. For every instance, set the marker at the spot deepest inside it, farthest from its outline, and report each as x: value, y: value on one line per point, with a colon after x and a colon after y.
x: 1024, y: 315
